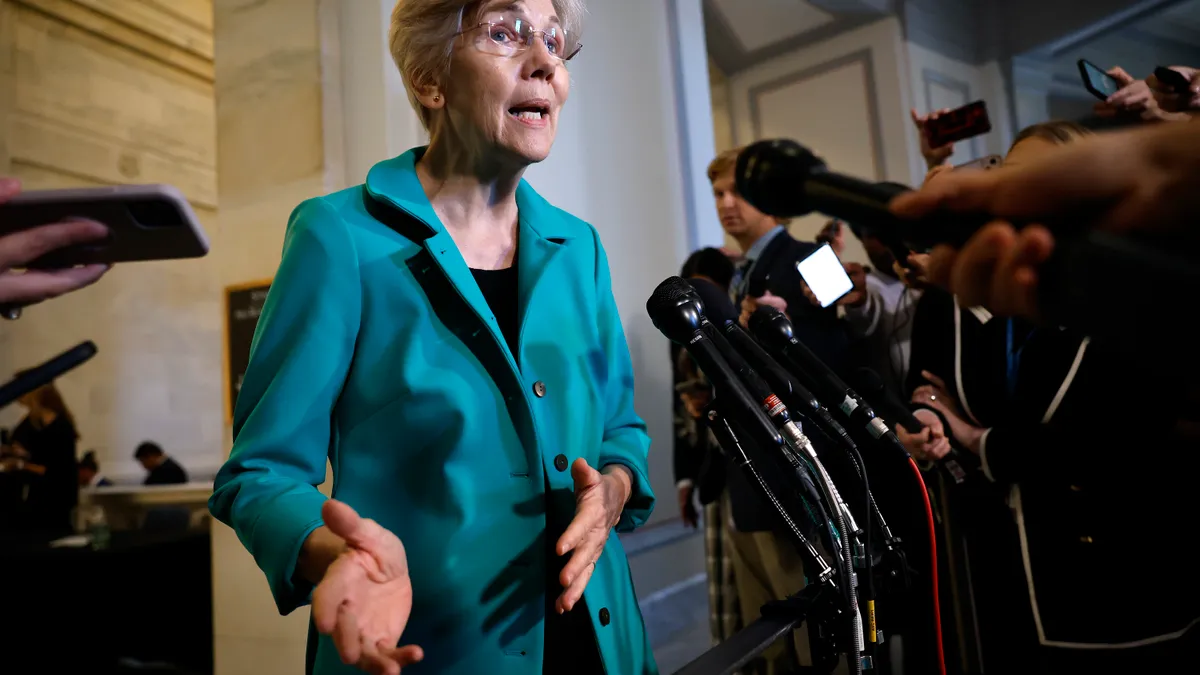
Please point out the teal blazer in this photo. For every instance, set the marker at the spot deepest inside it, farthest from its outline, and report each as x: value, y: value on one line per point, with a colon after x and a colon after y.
x: 377, y: 351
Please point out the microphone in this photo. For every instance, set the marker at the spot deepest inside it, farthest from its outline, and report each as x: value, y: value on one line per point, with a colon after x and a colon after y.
x: 775, y: 411
x: 784, y: 179
x: 772, y: 328
x: 676, y: 311
x: 46, y: 373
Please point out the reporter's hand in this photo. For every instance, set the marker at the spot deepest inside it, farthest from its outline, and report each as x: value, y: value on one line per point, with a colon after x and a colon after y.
x: 1176, y: 101
x: 599, y: 500
x: 928, y: 444
x: 1132, y: 98
x: 916, y: 275
x: 20, y: 248
x: 966, y: 434
x: 365, y: 596
x: 1118, y: 182
x: 749, y: 305
x: 933, y: 156
x: 687, y: 506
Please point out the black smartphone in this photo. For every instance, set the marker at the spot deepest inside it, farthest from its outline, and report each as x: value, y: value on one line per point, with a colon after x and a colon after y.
x: 1099, y: 83
x: 1172, y: 79
x: 959, y: 124
x: 145, y: 222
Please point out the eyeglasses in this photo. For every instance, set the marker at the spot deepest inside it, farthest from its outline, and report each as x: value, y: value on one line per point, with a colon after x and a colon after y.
x: 509, y: 35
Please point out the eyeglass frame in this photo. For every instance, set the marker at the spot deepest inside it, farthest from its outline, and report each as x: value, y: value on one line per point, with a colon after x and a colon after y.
x: 542, y: 32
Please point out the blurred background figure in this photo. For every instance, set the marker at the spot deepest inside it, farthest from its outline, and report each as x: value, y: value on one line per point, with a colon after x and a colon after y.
x: 41, y: 455
x: 160, y: 469
x: 89, y: 472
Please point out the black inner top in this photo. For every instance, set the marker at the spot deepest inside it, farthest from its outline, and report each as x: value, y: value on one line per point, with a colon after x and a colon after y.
x: 570, y: 639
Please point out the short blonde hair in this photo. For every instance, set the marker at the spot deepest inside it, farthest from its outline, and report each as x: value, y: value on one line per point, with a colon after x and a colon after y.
x: 422, y: 32
x: 724, y: 163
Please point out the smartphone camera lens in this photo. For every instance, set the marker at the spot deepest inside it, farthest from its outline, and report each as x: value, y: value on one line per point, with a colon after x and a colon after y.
x: 155, y: 214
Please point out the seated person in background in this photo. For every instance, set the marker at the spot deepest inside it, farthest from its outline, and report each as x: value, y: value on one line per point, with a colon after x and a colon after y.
x: 89, y: 472
x: 162, y: 470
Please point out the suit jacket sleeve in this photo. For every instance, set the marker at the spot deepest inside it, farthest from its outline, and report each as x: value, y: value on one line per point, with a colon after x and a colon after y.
x: 282, y: 429
x: 625, y: 439
x: 932, y: 340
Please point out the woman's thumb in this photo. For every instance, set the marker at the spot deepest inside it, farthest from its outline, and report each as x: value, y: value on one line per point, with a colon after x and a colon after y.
x: 343, y: 521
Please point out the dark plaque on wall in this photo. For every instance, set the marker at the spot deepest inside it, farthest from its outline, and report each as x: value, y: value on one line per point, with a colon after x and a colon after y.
x: 243, y: 304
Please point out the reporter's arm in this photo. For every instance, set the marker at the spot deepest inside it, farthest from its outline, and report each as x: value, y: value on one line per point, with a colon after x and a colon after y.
x: 625, y: 441
x: 301, y: 354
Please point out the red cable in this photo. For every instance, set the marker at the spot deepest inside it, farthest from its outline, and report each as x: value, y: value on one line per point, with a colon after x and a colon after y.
x: 937, y: 608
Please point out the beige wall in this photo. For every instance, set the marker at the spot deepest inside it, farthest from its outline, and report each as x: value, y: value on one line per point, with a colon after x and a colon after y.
x: 846, y: 98
x: 97, y: 92
x: 270, y: 149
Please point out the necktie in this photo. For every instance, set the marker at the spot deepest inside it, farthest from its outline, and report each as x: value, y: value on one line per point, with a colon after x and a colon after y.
x: 741, y: 279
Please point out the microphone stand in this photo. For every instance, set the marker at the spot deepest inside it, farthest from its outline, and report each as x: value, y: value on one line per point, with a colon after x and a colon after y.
x: 816, y: 604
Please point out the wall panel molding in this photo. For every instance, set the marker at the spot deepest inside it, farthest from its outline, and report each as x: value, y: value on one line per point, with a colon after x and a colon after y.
x: 863, y: 57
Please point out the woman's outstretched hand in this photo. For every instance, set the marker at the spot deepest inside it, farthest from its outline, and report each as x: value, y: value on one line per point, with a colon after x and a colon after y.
x: 365, y: 596
x: 599, y: 500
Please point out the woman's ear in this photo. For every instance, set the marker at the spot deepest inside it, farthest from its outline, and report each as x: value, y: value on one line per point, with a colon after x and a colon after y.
x: 431, y: 97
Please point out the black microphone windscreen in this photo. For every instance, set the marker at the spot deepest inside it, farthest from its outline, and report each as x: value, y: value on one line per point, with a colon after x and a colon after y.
x: 675, y: 309
x: 718, y: 308
x: 769, y: 175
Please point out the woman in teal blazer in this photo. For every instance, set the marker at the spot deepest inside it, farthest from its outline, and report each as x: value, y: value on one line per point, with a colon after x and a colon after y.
x: 449, y: 341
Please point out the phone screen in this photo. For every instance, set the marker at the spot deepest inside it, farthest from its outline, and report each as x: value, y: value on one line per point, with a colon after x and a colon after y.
x: 960, y: 124
x: 1101, y: 84
x: 825, y: 275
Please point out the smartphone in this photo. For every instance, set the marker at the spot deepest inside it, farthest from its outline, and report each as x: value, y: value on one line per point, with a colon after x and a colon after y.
x: 824, y: 273
x: 1172, y: 79
x: 985, y: 163
x: 145, y: 222
x: 1101, y: 84
x: 959, y: 124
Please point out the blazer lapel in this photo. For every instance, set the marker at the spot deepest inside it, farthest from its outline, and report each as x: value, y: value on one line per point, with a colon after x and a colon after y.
x: 541, y: 236
x: 540, y: 240
x: 395, y: 183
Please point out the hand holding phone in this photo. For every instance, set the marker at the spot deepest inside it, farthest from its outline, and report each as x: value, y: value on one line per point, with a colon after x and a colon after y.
x: 1177, y: 88
x: 957, y: 125
x: 1097, y: 81
x: 825, y: 276
x: 21, y: 247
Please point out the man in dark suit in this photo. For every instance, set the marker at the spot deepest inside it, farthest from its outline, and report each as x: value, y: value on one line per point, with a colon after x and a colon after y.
x: 766, y: 565
x: 161, y: 470
x: 768, y: 274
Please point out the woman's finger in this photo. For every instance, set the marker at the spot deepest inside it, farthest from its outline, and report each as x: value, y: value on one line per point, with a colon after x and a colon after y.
x: 346, y: 636
x: 566, y: 601
x: 583, y: 557
x: 583, y: 521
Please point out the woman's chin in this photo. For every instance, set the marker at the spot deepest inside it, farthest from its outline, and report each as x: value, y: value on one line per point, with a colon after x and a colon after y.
x: 531, y: 151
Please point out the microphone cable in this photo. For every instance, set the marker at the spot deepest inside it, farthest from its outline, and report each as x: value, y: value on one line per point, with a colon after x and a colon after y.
x: 933, y: 567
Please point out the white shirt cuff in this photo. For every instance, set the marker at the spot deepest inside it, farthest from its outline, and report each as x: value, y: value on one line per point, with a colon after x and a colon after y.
x: 987, y: 471
x: 685, y: 483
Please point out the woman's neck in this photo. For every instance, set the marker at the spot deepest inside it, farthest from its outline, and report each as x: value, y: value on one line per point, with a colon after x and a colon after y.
x: 476, y: 201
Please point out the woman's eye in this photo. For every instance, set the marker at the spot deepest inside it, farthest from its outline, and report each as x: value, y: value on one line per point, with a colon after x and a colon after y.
x: 502, y: 34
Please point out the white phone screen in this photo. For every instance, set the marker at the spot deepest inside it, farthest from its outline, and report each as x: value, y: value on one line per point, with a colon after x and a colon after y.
x: 825, y: 275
